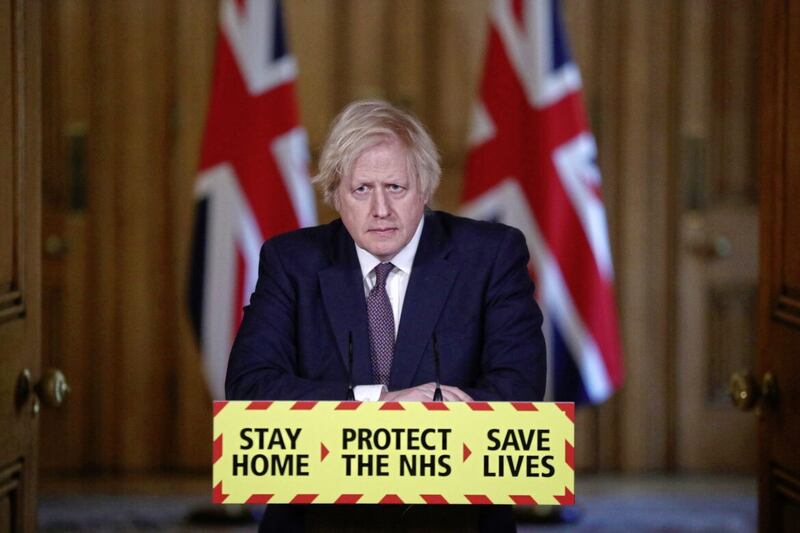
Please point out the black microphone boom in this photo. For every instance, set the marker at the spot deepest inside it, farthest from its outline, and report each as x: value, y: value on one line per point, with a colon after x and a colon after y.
x: 437, y: 394
x: 351, y: 397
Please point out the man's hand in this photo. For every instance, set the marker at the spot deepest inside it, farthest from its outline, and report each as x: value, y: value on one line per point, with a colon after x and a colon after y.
x: 424, y: 393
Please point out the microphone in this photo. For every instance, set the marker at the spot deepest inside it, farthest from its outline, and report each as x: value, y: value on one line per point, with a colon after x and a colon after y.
x: 351, y: 397
x: 437, y: 394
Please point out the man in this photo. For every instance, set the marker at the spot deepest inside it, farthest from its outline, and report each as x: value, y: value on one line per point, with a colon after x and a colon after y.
x: 391, y: 297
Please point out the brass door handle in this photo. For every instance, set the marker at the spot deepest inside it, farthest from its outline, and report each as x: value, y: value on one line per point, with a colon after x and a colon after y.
x: 55, y: 245
x: 52, y: 387
x: 717, y: 247
x: 746, y: 393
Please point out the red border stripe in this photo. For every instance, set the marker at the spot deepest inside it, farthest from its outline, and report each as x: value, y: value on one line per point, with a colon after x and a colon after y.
x: 217, y: 450
x: 304, y: 498
x: 258, y: 406
x: 434, y: 499
x: 217, y: 496
x: 524, y: 406
x: 256, y: 499
x: 436, y: 406
x: 569, y: 453
x: 522, y: 499
x: 348, y: 498
x: 478, y: 499
x: 303, y: 406
x: 569, y: 410
x: 392, y: 406
x: 218, y: 406
x: 391, y: 499
x: 567, y: 499
x: 480, y: 406
x: 348, y: 406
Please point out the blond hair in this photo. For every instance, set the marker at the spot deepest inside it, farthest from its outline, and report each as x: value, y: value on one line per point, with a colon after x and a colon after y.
x: 362, y: 125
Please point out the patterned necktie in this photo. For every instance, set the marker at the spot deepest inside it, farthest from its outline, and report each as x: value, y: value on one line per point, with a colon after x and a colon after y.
x: 381, y: 325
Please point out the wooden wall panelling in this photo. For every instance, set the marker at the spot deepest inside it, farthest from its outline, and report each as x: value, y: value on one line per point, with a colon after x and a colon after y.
x: 643, y: 277
x: 406, y: 54
x: 105, y: 134
x: 195, y: 27
x: 694, y: 134
x: 316, y: 44
x: 733, y: 88
x: 663, y: 217
x: 318, y: 32
x: 135, y: 346
x: 461, y: 38
x: 607, y: 56
x: 631, y: 211
x: 147, y: 355
x: 582, y: 28
x: 66, y: 323
x: 366, y: 48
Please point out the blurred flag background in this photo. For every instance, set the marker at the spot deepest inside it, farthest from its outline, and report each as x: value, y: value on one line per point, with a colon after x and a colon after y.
x: 532, y: 165
x: 253, y: 181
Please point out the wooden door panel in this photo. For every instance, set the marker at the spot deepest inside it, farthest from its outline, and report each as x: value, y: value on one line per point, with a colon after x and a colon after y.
x: 7, y: 196
x: 20, y: 340
x: 11, y: 497
x: 779, y: 290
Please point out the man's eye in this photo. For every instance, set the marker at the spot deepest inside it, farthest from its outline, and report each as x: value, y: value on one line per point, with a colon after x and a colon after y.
x: 361, y: 189
x: 393, y: 187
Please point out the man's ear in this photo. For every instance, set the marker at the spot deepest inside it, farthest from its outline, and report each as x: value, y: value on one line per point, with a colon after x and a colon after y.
x: 427, y: 198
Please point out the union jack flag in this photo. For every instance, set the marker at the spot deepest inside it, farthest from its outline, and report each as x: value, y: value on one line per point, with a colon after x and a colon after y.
x: 253, y: 180
x: 532, y: 164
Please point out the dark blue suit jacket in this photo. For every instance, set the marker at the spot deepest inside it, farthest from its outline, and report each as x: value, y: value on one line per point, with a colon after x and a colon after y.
x: 469, y: 285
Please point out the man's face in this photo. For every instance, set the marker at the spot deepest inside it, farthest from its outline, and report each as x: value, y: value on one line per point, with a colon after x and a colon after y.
x: 380, y: 204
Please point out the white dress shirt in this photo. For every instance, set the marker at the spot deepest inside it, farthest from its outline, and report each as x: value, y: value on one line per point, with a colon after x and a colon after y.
x: 396, y: 285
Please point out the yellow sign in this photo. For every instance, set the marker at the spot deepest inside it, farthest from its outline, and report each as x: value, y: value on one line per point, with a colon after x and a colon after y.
x: 390, y: 452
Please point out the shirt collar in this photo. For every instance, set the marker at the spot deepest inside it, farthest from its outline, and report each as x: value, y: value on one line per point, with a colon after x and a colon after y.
x: 404, y: 259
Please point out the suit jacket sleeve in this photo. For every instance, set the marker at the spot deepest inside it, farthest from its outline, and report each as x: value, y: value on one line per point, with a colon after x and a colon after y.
x: 263, y: 360
x: 513, y: 358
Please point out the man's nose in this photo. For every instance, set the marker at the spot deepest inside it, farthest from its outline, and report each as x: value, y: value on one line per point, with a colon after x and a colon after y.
x: 380, y: 203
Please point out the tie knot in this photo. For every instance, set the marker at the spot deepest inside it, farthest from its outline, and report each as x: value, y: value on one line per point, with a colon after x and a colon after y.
x: 381, y: 273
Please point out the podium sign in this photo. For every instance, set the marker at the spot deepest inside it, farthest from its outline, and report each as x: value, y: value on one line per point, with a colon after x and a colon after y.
x: 394, y: 452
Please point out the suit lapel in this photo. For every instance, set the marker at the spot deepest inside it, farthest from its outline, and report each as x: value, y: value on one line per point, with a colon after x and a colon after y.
x: 343, y: 296
x: 431, y: 280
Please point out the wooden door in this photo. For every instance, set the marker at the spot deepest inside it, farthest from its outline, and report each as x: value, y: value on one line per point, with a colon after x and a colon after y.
x: 20, y: 316
x: 779, y: 287
x: 717, y: 253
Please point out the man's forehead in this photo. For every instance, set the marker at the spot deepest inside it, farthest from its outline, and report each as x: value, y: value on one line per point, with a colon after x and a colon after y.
x: 363, y: 169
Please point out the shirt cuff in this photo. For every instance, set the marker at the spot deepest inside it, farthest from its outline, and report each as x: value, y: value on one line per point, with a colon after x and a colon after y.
x: 368, y: 393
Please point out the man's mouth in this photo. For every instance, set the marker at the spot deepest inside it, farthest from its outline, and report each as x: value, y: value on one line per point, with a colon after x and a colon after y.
x: 382, y: 231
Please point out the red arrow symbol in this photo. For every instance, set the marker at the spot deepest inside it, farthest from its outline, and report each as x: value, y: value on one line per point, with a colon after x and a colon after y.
x: 467, y: 452
x: 323, y: 451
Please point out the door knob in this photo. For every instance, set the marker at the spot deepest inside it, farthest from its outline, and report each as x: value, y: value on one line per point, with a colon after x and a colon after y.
x: 747, y: 393
x: 717, y: 247
x: 55, y: 245
x: 52, y: 387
